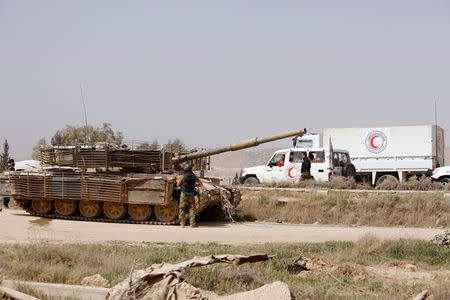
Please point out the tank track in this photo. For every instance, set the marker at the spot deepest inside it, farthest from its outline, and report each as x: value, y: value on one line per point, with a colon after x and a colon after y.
x: 81, y: 218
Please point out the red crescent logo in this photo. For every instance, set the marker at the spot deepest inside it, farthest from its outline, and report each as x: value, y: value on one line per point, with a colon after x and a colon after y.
x: 371, y: 142
x: 289, y: 172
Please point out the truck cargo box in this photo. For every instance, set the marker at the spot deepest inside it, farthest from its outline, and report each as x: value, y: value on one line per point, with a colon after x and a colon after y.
x: 390, y: 149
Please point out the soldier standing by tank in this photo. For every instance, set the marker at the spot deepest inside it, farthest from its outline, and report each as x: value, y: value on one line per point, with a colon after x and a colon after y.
x: 9, y: 167
x: 306, y: 167
x: 188, y: 182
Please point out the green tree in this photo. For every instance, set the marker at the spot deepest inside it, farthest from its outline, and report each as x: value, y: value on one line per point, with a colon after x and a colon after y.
x: 35, y: 154
x: 73, y: 135
x: 143, y: 146
x: 175, y: 146
x: 154, y: 145
x: 147, y: 146
x: 5, y: 155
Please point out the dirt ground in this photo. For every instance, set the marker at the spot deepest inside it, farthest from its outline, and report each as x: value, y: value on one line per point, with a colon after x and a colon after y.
x: 16, y: 226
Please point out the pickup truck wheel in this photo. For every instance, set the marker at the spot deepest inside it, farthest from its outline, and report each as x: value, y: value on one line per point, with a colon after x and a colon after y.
x: 251, y: 181
x: 445, y: 181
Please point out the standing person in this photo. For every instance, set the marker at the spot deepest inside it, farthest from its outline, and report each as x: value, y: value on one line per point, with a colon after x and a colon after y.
x: 306, y: 167
x: 9, y: 167
x: 188, y: 182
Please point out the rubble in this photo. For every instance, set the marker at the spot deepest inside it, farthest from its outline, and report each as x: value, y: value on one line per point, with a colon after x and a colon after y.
x: 164, y: 281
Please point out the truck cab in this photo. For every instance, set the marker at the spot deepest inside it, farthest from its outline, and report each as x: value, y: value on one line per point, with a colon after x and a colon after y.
x: 285, y: 166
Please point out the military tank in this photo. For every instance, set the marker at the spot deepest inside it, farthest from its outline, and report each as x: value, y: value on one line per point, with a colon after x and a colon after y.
x: 107, y: 183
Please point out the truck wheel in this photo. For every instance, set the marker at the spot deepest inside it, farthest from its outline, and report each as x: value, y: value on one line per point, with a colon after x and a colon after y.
x: 251, y: 181
x: 349, y: 170
x: 445, y: 181
x: 384, y: 177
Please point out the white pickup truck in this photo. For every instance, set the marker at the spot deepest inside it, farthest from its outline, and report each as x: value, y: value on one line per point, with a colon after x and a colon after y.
x: 442, y: 174
x: 322, y: 167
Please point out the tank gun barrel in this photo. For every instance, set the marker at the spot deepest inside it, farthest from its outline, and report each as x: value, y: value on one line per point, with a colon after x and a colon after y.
x: 238, y: 146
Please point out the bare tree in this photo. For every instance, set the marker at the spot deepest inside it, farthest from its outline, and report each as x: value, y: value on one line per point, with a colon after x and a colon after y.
x: 35, y: 154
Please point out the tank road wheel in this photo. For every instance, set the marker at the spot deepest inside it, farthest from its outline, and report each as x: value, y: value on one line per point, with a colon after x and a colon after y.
x: 90, y: 209
x: 168, y: 212
x: 114, y: 210
x: 65, y: 207
x: 42, y: 206
x: 139, y: 212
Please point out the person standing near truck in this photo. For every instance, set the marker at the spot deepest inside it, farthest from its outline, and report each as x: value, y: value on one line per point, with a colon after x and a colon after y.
x: 306, y: 167
x: 188, y: 182
x: 9, y: 167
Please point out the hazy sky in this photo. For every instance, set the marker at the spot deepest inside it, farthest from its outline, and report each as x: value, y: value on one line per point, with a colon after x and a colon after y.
x: 211, y: 72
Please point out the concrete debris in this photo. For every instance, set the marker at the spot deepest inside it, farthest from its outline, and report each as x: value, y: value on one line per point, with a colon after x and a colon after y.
x: 277, y: 290
x: 57, y: 290
x: 8, y: 293
x: 164, y: 281
x: 442, y: 239
x: 96, y: 280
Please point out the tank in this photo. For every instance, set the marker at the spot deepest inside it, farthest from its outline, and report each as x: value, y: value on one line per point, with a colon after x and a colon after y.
x: 107, y: 183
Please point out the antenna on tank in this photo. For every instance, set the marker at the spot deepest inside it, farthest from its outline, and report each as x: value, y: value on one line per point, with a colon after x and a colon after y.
x: 436, y: 133
x: 83, y: 104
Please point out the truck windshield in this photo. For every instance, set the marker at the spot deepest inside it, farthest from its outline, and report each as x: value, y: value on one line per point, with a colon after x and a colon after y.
x: 304, y: 144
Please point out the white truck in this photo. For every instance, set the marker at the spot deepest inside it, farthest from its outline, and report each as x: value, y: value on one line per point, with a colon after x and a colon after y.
x: 285, y: 166
x: 382, y: 152
x: 442, y: 174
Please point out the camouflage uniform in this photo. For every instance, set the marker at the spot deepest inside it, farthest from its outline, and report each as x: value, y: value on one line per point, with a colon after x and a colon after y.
x: 189, y: 202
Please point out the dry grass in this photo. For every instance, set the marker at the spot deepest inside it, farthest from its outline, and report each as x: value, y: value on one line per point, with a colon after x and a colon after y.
x: 413, y: 183
x: 390, y: 183
x: 416, y: 210
x: 70, y: 263
x: 344, y: 183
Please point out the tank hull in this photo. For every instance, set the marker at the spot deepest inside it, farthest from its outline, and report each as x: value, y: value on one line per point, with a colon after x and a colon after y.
x: 148, y: 198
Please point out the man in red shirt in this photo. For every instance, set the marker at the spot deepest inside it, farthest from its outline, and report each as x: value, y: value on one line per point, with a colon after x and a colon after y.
x: 281, y: 160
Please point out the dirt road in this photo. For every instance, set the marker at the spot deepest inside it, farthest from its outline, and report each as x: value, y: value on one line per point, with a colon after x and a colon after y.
x: 18, y: 227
